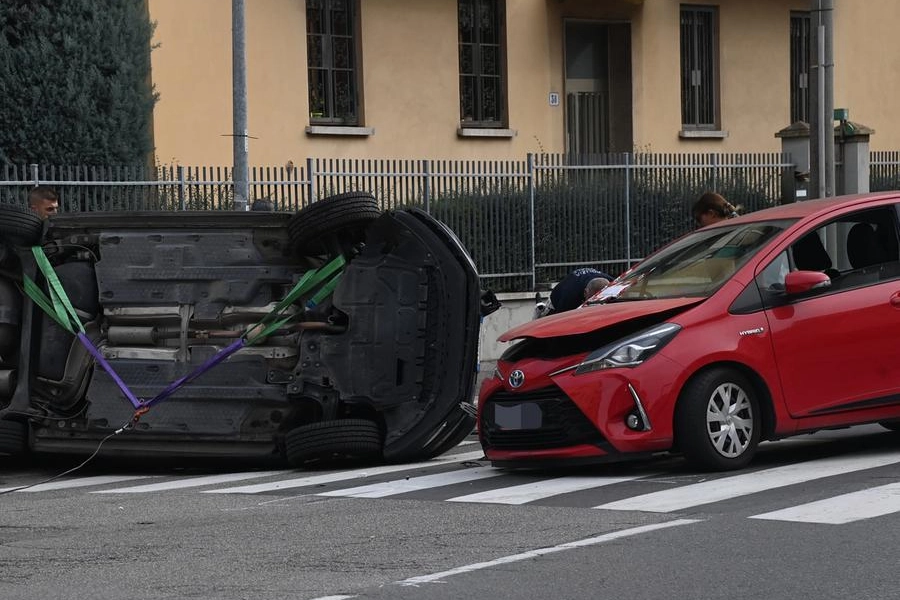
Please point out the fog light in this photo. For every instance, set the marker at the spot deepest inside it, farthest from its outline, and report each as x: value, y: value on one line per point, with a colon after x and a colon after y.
x: 632, y: 421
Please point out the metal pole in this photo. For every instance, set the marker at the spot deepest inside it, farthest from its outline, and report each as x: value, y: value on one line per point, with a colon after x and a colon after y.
x: 426, y: 187
x: 828, y: 72
x: 627, y: 210
x: 240, y: 171
x: 822, y: 128
x: 530, y: 166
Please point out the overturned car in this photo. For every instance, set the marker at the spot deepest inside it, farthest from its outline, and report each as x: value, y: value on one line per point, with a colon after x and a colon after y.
x: 339, y: 332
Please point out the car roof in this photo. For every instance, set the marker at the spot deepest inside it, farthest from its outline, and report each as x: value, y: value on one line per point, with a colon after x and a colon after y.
x: 811, y: 208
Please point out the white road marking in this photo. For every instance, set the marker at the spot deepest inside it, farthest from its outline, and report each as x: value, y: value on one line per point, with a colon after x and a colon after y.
x: 846, y: 508
x: 345, y: 475
x: 537, y: 490
x: 64, y: 484
x: 402, y: 486
x: 600, y: 539
x: 192, y: 482
x: 726, y: 488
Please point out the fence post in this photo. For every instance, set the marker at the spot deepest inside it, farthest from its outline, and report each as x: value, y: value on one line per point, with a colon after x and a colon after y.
x: 181, y: 187
x: 426, y: 187
x: 531, y: 186
x: 311, y: 176
x: 628, y: 209
x: 34, y: 174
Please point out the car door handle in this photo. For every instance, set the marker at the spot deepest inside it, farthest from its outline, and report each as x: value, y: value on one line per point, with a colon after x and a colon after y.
x: 895, y: 300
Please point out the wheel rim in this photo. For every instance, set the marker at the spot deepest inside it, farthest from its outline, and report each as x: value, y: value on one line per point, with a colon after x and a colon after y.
x: 729, y: 420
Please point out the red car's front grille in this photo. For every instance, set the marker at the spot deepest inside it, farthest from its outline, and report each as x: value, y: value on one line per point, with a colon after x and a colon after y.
x: 562, y: 423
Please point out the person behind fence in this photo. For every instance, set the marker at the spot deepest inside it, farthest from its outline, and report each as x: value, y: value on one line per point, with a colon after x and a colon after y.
x: 43, y: 200
x: 711, y: 208
x: 574, y: 289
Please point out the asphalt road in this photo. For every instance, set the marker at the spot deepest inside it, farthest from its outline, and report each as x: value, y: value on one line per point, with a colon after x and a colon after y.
x: 812, y: 517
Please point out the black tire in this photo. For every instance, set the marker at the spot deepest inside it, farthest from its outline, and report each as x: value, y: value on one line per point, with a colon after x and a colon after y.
x: 341, y: 218
x: 729, y: 441
x: 891, y: 425
x: 13, y: 438
x: 20, y: 226
x: 345, y: 440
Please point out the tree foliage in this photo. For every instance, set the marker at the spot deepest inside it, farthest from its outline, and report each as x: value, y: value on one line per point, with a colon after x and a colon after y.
x: 75, y: 82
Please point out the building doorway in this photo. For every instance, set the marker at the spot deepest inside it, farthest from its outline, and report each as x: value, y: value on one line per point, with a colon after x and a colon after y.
x: 598, y: 87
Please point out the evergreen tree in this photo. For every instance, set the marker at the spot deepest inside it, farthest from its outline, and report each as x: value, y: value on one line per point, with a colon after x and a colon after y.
x: 75, y: 82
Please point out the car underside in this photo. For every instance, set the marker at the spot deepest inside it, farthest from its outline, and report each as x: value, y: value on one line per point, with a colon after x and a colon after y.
x: 376, y: 363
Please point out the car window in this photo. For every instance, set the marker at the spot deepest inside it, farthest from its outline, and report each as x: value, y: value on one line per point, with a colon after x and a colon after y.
x: 699, y: 263
x: 855, y: 250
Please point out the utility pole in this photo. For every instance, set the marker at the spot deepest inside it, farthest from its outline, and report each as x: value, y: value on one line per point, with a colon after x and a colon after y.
x: 240, y: 171
x: 821, y: 127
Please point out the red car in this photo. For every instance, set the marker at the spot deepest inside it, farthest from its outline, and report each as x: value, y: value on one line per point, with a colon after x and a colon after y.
x: 780, y: 322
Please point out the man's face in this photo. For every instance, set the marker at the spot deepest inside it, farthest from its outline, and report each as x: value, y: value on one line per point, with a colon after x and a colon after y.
x: 45, y: 207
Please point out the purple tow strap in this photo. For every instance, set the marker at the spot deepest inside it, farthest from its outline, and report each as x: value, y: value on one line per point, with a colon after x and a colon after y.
x: 213, y: 361
x: 108, y: 368
x: 170, y: 389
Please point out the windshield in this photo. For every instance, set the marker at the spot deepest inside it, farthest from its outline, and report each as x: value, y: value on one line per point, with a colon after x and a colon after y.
x: 695, y: 265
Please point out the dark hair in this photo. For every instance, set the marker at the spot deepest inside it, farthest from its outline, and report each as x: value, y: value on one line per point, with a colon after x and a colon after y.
x: 263, y: 204
x: 42, y: 192
x: 716, y: 203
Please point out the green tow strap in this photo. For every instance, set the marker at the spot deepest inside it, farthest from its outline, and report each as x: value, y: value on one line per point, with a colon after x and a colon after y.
x: 310, y: 279
x: 57, y: 305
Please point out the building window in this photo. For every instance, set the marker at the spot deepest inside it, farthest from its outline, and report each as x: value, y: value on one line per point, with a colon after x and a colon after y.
x: 331, y: 51
x: 699, y: 67
x: 800, y: 62
x: 482, y: 94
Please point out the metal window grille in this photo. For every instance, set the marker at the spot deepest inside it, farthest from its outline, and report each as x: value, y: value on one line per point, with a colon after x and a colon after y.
x: 800, y: 62
x: 331, y: 61
x: 482, y: 101
x: 699, y: 66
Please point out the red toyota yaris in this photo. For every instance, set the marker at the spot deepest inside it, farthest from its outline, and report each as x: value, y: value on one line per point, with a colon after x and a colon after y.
x: 779, y: 322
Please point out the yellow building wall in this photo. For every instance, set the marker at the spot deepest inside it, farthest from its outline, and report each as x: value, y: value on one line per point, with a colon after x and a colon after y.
x: 410, y: 83
x: 867, y: 66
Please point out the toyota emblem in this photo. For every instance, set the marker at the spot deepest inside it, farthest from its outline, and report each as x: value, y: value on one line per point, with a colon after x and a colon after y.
x: 516, y: 379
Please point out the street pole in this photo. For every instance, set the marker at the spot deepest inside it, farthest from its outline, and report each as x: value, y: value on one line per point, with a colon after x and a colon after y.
x: 821, y: 100
x: 828, y: 68
x: 240, y: 170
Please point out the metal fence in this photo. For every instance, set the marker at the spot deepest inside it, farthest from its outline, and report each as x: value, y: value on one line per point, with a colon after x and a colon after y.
x: 526, y: 222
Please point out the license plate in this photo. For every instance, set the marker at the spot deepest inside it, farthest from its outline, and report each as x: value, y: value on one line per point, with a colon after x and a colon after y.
x: 526, y: 415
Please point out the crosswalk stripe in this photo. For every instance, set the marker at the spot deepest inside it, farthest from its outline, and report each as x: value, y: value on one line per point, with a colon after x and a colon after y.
x: 402, y: 486
x: 846, y: 508
x: 727, y: 488
x: 64, y: 484
x: 345, y: 475
x: 192, y: 482
x: 538, y: 490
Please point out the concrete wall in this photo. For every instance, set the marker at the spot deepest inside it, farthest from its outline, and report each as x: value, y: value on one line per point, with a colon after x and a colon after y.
x: 516, y: 309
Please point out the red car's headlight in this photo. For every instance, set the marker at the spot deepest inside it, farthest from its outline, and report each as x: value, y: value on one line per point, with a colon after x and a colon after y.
x: 631, y: 351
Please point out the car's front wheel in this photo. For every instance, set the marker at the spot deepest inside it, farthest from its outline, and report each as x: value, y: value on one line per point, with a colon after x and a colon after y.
x: 13, y: 437
x: 334, y: 441
x: 332, y: 222
x: 717, y: 421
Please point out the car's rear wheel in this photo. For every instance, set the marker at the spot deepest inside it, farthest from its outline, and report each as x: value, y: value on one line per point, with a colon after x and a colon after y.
x: 331, y: 224
x: 13, y: 438
x: 341, y: 440
x: 892, y: 425
x: 717, y: 421
x: 20, y: 226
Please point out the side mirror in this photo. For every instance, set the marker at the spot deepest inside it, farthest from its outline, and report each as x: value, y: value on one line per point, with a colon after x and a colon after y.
x: 800, y: 282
